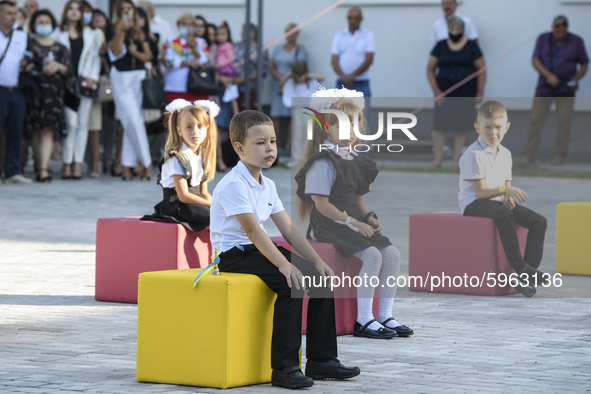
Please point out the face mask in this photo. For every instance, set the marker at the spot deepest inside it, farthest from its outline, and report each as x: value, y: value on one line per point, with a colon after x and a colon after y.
x: 87, y: 18
x: 184, y: 31
x: 43, y: 30
x: 456, y: 37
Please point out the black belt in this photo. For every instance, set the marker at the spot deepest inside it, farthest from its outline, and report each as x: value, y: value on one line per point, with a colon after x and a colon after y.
x: 13, y: 89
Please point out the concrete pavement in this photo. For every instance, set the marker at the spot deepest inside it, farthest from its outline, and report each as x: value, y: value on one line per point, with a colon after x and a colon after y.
x: 55, y: 338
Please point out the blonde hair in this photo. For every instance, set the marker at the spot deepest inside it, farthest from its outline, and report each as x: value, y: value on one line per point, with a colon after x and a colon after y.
x: 492, y: 109
x: 290, y: 26
x: 243, y: 121
x: 319, y: 135
x: 208, y: 146
x: 185, y: 15
x: 454, y: 21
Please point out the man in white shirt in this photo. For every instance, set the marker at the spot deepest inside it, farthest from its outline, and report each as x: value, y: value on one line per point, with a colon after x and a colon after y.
x: 353, y: 50
x: 440, y: 30
x: 13, y: 44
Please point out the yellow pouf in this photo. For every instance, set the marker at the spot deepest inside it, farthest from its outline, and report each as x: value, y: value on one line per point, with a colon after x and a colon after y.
x: 573, y: 235
x: 216, y: 335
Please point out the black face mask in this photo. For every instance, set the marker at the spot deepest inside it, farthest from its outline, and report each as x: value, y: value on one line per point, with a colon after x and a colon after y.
x: 456, y: 37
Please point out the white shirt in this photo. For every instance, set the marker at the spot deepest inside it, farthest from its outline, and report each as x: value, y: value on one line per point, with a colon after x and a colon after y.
x: 173, y: 166
x: 160, y: 26
x: 352, y: 49
x: 237, y: 193
x: 441, y: 31
x: 480, y: 161
x: 11, y: 65
x: 322, y: 174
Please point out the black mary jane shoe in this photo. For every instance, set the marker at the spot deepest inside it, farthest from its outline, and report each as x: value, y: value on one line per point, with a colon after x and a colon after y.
x: 331, y: 369
x: 380, y: 333
x: 401, y: 330
x: 290, y: 378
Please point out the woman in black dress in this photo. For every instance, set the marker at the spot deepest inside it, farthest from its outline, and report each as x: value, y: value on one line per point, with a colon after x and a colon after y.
x: 46, y: 73
x: 451, y: 61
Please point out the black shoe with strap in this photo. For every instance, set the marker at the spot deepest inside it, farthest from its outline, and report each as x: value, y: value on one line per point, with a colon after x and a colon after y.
x: 290, y: 378
x: 536, y: 277
x: 401, y: 330
x: 330, y: 369
x: 365, y: 331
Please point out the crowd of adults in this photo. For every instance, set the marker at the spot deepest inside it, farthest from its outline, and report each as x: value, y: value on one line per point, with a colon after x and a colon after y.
x: 73, y: 88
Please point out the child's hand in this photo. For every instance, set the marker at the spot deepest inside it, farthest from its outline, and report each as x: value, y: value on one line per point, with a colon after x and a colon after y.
x: 509, y: 203
x: 293, y: 275
x: 364, y: 229
x: 516, y: 194
x: 324, y: 270
x: 375, y: 224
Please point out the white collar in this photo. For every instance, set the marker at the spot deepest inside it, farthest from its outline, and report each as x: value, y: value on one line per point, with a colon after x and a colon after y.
x: 343, y: 154
x: 185, y: 149
x: 487, y: 149
x: 243, y: 170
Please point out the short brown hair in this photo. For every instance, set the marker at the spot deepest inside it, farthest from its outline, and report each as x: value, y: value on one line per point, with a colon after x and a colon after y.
x: 243, y: 121
x: 492, y: 109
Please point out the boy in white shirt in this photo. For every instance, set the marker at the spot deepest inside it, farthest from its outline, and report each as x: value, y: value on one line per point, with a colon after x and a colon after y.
x: 242, y: 201
x: 486, y: 191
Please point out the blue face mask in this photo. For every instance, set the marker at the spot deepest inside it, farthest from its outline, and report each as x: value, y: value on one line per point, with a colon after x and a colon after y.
x: 87, y: 18
x: 43, y: 30
x: 183, y: 31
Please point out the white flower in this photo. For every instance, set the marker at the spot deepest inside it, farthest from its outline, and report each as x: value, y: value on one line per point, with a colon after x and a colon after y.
x: 177, y: 105
x: 208, y: 106
x: 324, y: 98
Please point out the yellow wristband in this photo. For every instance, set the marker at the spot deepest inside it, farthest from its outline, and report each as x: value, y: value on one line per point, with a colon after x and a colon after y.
x: 501, y: 190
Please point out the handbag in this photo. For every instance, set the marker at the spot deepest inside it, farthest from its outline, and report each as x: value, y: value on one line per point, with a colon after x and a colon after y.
x: 154, y: 96
x: 105, y: 94
x: 82, y: 89
x: 202, y: 81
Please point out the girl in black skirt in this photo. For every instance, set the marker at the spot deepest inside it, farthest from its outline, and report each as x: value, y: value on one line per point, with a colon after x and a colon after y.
x: 188, y: 164
x: 331, y: 185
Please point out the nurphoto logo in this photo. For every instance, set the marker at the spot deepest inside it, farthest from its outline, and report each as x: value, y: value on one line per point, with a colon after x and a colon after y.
x: 393, y: 124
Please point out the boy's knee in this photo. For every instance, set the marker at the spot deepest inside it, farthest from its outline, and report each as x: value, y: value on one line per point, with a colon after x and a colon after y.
x: 541, y: 223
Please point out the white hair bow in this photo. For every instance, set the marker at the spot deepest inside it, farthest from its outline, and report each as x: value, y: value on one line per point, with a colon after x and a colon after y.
x: 324, y: 98
x: 208, y: 106
x: 177, y: 105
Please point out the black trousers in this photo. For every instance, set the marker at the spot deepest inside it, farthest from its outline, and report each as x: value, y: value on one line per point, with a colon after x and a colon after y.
x: 287, y: 318
x: 505, y: 219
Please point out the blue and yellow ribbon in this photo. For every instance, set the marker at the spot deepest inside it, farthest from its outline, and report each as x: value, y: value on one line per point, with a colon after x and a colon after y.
x: 215, y: 260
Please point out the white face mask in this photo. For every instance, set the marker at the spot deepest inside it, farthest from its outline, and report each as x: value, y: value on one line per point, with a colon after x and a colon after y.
x: 43, y: 30
x: 87, y: 18
x: 183, y: 31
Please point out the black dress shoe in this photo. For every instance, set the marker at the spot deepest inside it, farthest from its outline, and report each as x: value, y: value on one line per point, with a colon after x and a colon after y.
x: 331, y: 369
x: 380, y: 333
x: 536, y: 277
x: 401, y: 330
x: 290, y: 378
x: 525, y: 288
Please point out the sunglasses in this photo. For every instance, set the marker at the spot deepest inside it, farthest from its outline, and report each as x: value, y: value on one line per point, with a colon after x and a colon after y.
x: 561, y: 24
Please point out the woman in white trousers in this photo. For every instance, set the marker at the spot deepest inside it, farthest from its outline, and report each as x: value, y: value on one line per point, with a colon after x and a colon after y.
x: 128, y: 50
x: 82, y: 44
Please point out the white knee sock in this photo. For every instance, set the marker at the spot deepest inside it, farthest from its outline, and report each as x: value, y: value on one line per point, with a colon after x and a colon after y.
x: 386, y: 294
x: 372, y: 262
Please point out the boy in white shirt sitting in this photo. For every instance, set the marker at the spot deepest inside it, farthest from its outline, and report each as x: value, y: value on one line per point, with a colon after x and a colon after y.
x: 242, y: 201
x: 486, y: 191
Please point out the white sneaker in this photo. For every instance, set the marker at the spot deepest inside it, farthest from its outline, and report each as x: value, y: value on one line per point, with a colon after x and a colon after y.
x: 17, y: 179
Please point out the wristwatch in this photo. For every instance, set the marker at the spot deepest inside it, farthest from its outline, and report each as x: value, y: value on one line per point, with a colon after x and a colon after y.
x: 367, y: 215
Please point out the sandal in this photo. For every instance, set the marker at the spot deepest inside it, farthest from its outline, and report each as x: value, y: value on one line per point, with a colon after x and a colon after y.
x: 401, y: 330
x: 380, y: 333
x: 44, y: 179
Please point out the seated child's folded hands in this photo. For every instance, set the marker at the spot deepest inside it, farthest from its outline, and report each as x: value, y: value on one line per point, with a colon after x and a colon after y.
x: 364, y: 229
x: 509, y: 203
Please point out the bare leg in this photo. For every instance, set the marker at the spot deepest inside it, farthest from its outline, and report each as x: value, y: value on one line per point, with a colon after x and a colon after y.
x: 277, y: 127
x: 459, y: 142
x: 94, y: 145
x: 42, y: 142
x: 438, y: 142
